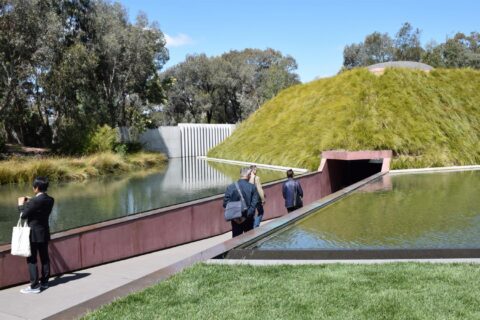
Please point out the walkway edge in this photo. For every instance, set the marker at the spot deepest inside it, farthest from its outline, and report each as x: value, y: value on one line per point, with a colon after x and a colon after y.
x: 259, y: 165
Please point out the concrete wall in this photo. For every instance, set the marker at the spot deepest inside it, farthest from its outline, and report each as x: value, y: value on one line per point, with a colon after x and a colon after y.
x: 151, y: 231
x: 163, y: 139
x: 185, y: 140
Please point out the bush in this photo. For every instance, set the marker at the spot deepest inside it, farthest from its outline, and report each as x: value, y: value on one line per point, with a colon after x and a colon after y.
x: 72, y: 138
x: 102, y: 140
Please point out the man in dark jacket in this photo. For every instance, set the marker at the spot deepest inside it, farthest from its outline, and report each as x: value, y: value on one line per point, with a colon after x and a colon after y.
x: 292, y: 193
x: 250, y: 194
x: 37, y: 211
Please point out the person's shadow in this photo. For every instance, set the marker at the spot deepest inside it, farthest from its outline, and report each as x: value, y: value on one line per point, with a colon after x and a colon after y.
x: 59, y: 263
x: 64, y: 278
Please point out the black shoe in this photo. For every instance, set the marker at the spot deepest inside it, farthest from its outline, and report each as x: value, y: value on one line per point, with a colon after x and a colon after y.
x: 43, y: 286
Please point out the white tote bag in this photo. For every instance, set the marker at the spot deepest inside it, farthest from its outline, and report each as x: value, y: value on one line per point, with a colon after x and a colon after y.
x: 21, y: 240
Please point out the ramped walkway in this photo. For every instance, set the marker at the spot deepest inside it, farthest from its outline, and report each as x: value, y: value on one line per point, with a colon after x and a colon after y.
x: 79, y: 287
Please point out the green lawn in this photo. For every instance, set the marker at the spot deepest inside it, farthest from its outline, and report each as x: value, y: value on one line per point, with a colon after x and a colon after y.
x: 387, y: 291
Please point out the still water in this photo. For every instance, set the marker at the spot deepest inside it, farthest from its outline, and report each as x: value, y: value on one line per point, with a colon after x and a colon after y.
x: 435, y: 210
x: 83, y: 203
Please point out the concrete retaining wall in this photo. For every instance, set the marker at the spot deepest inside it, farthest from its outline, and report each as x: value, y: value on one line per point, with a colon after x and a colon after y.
x: 163, y: 139
x: 185, y: 140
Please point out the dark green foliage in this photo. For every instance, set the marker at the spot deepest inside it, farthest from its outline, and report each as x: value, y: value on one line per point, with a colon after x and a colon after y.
x: 227, y: 88
x: 461, y: 51
x: 65, y: 63
x: 458, y: 52
x: 427, y: 119
x: 73, y: 138
x: 339, y: 291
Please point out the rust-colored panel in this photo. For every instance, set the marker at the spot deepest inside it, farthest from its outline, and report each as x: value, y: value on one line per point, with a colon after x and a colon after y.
x: 90, y: 248
x: 65, y: 255
x: 13, y: 269
x: 163, y: 231
x: 208, y: 220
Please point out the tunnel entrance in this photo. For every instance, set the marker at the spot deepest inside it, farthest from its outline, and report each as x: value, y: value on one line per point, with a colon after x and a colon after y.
x: 345, y: 168
x: 344, y: 173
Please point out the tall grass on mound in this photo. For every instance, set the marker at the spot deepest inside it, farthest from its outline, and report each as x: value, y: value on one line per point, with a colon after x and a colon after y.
x: 341, y: 291
x: 25, y: 169
x: 427, y: 119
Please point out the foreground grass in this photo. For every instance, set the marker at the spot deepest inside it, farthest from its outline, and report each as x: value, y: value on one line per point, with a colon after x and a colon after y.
x: 388, y: 291
x: 25, y: 169
x: 427, y: 119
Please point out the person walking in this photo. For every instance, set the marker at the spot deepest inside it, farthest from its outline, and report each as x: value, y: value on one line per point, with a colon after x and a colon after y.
x: 292, y: 193
x: 250, y: 196
x: 255, y: 180
x: 37, y: 211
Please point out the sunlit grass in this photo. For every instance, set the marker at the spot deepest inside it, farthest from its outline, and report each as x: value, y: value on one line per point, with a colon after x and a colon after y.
x: 384, y: 291
x: 427, y: 119
x: 25, y: 169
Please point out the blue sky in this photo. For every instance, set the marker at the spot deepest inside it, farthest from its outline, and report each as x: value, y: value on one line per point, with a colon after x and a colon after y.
x: 313, y: 32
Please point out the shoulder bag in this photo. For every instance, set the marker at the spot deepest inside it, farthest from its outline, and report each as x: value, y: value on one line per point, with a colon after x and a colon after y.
x: 235, y: 209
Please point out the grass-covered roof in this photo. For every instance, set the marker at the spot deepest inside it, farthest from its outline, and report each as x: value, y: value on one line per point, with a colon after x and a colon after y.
x: 427, y: 119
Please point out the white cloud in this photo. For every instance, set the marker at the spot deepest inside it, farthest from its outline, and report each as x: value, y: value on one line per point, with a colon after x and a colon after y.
x: 178, y: 41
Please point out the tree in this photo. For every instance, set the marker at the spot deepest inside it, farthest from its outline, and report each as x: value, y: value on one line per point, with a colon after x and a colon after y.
x: 227, y: 88
x: 71, y: 65
x: 458, y: 52
x: 354, y: 56
x: 407, y: 44
x: 378, y: 48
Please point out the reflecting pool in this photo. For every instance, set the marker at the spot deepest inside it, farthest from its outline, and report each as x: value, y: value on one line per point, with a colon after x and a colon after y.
x: 434, y: 210
x: 83, y: 203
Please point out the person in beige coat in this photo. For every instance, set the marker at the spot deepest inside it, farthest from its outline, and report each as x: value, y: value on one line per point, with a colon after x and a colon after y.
x: 255, y: 180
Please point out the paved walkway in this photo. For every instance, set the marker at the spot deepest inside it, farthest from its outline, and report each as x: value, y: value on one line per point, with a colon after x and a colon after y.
x: 72, y: 289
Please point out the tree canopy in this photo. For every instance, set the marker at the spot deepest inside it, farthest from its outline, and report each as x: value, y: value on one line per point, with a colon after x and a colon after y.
x: 68, y: 66
x: 226, y: 88
x: 457, y: 52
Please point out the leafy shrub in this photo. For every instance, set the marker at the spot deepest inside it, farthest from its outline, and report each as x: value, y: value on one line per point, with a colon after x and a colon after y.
x: 102, y: 140
x: 72, y: 138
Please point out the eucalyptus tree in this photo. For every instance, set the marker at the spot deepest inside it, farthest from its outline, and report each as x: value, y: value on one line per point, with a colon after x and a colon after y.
x: 407, y: 44
x: 67, y: 66
x: 226, y: 88
x: 458, y: 52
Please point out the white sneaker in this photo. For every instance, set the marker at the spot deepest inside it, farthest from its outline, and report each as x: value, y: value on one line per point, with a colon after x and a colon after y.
x: 30, y: 290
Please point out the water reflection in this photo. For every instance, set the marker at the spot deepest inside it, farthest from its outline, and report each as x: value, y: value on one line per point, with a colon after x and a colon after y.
x: 439, y: 210
x: 83, y: 203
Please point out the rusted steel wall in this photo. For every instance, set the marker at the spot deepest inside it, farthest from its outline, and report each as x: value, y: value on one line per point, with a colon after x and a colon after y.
x: 151, y: 231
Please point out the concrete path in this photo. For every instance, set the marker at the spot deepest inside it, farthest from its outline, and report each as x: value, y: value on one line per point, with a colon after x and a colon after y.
x: 72, y: 289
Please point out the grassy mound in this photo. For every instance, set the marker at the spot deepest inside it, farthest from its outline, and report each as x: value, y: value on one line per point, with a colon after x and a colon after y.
x: 427, y: 119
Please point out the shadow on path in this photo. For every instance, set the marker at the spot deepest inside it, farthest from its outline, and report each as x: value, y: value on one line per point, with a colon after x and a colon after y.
x: 64, y: 278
